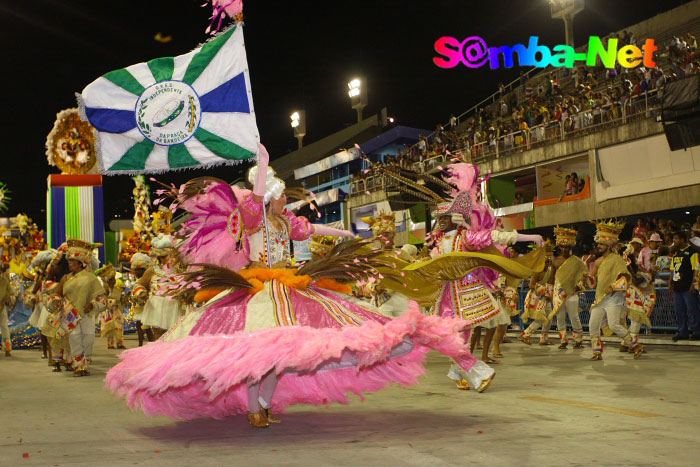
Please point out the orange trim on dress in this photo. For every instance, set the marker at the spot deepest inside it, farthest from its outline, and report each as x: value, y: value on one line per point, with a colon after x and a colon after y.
x: 258, y: 276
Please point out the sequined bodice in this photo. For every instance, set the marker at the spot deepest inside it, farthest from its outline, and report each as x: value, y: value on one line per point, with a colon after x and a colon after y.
x: 268, y: 237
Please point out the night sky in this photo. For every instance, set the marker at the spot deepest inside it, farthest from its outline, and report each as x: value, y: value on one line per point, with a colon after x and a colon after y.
x: 301, y: 54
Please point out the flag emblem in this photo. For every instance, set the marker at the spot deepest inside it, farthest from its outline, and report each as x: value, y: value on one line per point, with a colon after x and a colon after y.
x: 168, y: 112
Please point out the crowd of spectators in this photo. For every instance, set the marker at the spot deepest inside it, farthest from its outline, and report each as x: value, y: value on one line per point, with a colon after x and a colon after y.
x: 553, y: 104
x: 560, y: 103
x: 655, y: 241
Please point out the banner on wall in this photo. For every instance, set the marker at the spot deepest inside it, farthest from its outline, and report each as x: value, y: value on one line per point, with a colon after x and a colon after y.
x: 193, y: 110
x: 551, y: 178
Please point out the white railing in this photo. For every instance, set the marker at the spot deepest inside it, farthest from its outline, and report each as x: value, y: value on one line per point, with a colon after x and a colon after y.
x: 639, y: 107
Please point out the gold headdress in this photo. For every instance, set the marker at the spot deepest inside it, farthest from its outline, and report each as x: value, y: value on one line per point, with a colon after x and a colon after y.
x: 79, y: 250
x: 565, y: 237
x: 71, y: 144
x: 608, y: 232
x: 382, y: 224
x: 161, y: 220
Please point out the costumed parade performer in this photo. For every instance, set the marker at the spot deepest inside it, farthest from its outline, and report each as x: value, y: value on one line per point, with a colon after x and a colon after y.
x: 60, y: 317
x: 139, y: 263
x: 6, y: 299
x: 160, y: 313
x: 87, y: 297
x: 640, y: 296
x: 538, y: 302
x: 467, y: 262
x: 39, y: 317
x: 612, y: 282
x: 570, y: 280
x: 640, y: 299
x: 272, y: 335
x: 495, y: 327
x: 112, y: 319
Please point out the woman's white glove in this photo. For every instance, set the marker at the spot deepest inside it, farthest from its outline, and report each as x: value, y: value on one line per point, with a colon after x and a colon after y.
x: 531, y: 238
x: 325, y: 230
x: 259, y: 186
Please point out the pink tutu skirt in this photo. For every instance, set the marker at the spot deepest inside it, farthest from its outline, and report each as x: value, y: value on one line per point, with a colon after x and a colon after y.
x: 323, y: 345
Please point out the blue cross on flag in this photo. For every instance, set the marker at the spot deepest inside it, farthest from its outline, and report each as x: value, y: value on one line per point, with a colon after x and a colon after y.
x: 193, y: 110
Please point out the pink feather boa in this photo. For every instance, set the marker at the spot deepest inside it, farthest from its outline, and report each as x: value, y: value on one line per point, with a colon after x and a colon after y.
x: 206, y: 376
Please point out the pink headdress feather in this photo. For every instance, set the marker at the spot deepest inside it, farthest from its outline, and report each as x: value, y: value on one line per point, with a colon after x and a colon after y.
x: 463, y: 176
x: 221, y: 10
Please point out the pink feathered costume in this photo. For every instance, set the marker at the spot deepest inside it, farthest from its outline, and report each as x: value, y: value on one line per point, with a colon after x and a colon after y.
x: 467, y: 295
x: 321, y: 344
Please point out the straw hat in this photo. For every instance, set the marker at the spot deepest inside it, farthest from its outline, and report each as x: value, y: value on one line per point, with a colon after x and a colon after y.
x: 440, y: 210
x: 637, y: 240
x: 608, y: 232
x: 565, y: 237
x: 79, y: 250
x: 382, y: 224
x: 140, y: 260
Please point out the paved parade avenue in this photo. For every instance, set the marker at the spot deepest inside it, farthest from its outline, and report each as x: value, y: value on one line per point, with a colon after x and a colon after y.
x: 545, y: 407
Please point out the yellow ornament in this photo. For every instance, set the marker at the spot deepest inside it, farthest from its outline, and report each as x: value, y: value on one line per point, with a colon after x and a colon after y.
x: 71, y: 143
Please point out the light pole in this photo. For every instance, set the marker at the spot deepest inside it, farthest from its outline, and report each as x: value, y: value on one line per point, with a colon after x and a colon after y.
x: 358, y: 96
x: 298, y: 119
x: 566, y: 10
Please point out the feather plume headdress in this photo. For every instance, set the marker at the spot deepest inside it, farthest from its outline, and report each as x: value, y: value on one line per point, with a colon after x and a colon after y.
x: 274, y: 187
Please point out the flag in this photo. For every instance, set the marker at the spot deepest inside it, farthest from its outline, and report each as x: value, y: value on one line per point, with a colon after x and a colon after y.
x: 190, y: 111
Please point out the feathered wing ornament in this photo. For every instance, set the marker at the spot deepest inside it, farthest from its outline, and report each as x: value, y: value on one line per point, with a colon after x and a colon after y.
x: 207, y: 280
x: 463, y: 176
x: 213, y: 233
x: 4, y: 197
x: 350, y: 261
x: 456, y: 265
x: 409, y: 284
x: 223, y: 9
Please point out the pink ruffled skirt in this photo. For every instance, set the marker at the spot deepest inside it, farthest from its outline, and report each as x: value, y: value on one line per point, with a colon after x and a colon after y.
x: 323, y: 345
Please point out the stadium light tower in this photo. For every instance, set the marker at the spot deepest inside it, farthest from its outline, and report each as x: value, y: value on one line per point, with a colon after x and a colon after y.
x: 358, y: 96
x: 566, y: 10
x: 298, y: 119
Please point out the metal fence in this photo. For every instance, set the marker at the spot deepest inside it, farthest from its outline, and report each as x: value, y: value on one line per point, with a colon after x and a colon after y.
x: 662, y: 318
x: 645, y: 105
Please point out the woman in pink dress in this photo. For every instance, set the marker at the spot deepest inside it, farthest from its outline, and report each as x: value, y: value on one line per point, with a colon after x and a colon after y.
x: 284, y: 335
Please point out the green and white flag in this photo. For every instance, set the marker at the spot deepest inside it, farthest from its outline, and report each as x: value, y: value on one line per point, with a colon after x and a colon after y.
x: 193, y: 110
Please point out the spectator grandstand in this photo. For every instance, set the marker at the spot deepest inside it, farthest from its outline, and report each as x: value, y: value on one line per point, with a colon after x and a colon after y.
x: 558, y: 103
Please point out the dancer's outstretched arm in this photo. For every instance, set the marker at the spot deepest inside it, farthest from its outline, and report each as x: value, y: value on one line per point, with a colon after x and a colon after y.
x: 325, y: 230
x: 531, y: 238
x: 509, y: 237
